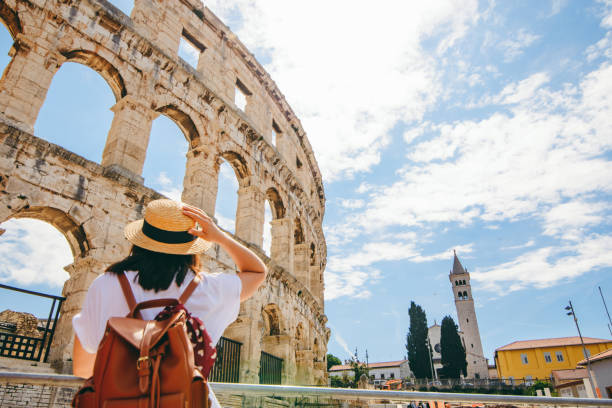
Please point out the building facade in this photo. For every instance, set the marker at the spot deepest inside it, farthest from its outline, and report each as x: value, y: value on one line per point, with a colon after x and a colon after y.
x: 90, y: 202
x: 529, y: 360
x: 379, y: 372
x: 601, y: 370
x: 477, y: 365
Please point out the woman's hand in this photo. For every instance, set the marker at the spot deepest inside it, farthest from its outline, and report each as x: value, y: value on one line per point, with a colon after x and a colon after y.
x: 208, y: 229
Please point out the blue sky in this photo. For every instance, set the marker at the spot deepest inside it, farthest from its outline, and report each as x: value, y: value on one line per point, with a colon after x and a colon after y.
x: 477, y: 126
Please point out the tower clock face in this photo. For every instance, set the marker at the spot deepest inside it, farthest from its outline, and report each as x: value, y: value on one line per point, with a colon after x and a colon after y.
x: 437, y: 348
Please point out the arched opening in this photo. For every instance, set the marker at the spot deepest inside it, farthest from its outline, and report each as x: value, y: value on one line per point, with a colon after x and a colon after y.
x: 456, y: 283
x: 226, y: 204
x: 300, y: 338
x: 267, y: 229
x: 164, y: 166
x: 76, y: 113
x: 459, y: 295
x: 313, y: 254
x: 33, y: 255
x: 271, y: 318
x: 298, y: 234
x: 465, y: 295
x: 11, y: 26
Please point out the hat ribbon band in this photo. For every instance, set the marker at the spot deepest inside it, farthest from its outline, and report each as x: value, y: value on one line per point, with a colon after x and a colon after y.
x: 166, y: 237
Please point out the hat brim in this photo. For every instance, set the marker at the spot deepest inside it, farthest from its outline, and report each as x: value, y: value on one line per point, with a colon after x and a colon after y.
x: 133, y: 233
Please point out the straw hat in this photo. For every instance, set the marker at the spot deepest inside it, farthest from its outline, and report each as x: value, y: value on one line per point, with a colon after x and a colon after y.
x: 164, y: 229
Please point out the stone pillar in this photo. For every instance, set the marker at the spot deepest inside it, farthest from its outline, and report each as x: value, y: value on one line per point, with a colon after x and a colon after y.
x: 300, y: 264
x: 250, y: 214
x: 316, y: 283
x: 282, y: 243
x: 26, y: 80
x: 304, y: 367
x: 128, y: 138
x: 82, y: 272
x: 201, y: 179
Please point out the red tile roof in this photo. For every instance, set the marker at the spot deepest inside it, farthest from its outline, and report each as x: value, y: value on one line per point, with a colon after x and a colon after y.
x: 371, y: 365
x: 554, y: 342
x: 571, y: 374
x: 599, y: 356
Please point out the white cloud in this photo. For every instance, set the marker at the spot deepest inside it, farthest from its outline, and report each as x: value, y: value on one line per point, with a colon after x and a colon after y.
x: 545, y: 267
x: 516, y: 45
x: 340, y: 340
x: 521, y: 91
x: 227, y: 224
x: 570, y: 219
x: 352, y: 203
x: 173, y: 193
x: 602, y: 48
x: 527, y: 244
x: 556, y: 6
x: 33, y: 252
x: 163, y: 179
x: 322, y: 74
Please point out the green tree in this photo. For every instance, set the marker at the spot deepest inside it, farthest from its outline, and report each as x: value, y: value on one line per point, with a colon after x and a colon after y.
x: 419, y: 354
x: 359, y: 368
x: 451, y: 348
x: 332, y: 361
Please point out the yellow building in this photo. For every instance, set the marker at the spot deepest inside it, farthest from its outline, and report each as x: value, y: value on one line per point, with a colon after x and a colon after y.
x: 536, y: 359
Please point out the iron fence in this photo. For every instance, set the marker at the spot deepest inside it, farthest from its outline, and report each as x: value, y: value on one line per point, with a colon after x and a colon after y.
x: 270, y: 369
x: 15, y: 345
x: 227, y: 364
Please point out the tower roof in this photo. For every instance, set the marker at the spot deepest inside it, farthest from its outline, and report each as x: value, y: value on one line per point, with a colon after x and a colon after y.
x: 457, y: 267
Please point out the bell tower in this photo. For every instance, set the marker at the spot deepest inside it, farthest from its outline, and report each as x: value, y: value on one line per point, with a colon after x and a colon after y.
x: 477, y: 366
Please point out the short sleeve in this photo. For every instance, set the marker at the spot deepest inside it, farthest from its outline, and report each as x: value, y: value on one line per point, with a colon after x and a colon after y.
x: 228, y: 286
x: 87, y: 324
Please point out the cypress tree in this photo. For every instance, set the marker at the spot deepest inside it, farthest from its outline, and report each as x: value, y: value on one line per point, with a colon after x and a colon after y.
x: 454, y: 362
x: 419, y: 354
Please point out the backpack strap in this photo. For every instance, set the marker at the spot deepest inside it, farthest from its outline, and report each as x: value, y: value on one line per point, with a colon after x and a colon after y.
x: 127, y: 293
x: 190, y: 288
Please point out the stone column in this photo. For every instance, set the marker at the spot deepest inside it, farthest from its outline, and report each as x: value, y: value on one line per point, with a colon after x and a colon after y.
x: 300, y: 264
x: 26, y: 80
x: 304, y: 367
x: 316, y: 283
x: 82, y: 272
x: 282, y: 243
x: 201, y: 179
x: 250, y: 214
x: 128, y: 138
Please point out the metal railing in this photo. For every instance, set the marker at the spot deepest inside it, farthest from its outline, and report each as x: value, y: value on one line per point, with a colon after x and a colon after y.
x: 15, y: 345
x: 286, y: 391
x: 270, y: 369
x: 227, y: 364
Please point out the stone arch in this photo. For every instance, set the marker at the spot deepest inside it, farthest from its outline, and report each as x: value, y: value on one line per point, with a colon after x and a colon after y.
x: 313, y: 254
x: 10, y: 19
x: 107, y: 70
x: 465, y: 294
x: 298, y: 234
x: 272, y: 320
x: 238, y: 163
x: 74, y: 233
x: 276, y: 203
x: 456, y: 283
x: 184, y: 122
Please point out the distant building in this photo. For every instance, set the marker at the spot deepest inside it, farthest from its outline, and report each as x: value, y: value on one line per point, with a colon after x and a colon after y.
x: 601, y: 369
x: 570, y: 383
x: 532, y: 359
x: 379, y: 372
x: 477, y: 364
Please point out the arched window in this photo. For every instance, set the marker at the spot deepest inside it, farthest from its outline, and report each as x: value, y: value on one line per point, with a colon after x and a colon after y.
x: 267, y: 229
x: 456, y: 283
x: 76, y: 113
x: 227, y: 197
x: 271, y: 318
x: 124, y: 5
x: 164, y: 166
x: 313, y: 254
x: 6, y: 42
x: 274, y: 210
x: 298, y: 234
x: 465, y: 295
x: 459, y: 295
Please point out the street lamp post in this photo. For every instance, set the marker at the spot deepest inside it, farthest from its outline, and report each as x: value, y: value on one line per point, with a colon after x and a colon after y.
x: 571, y: 312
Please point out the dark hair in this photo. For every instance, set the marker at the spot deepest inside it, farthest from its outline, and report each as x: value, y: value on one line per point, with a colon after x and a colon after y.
x: 156, y: 270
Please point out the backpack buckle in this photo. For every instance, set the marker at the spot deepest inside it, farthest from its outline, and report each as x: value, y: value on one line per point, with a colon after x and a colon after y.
x: 142, y: 360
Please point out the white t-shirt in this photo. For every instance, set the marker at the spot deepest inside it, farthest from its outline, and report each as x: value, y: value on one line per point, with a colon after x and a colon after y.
x: 216, y: 301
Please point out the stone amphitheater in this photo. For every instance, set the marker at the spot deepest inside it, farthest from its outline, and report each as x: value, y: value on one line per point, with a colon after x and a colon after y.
x: 90, y: 202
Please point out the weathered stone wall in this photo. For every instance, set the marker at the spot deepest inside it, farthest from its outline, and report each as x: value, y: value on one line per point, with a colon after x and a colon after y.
x: 90, y: 203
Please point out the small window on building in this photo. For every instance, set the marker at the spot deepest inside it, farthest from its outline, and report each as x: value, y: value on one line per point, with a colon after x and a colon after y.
x: 467, y: 321
x: 298, y: 163
x: 559, y: 355
x: 382, y: 376
x: 529, y: 380
x: 276, y: 132
x: 190, y: 49
x: 456, y: 283
x: 477, y: 376
x: 547, y: 357
x: 472, y: 344
x: 524, y: 358
x: 241, y: 94
x: 392, y: 375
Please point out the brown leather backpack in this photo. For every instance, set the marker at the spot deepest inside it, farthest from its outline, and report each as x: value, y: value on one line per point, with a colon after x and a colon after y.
x: 145, y: 363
